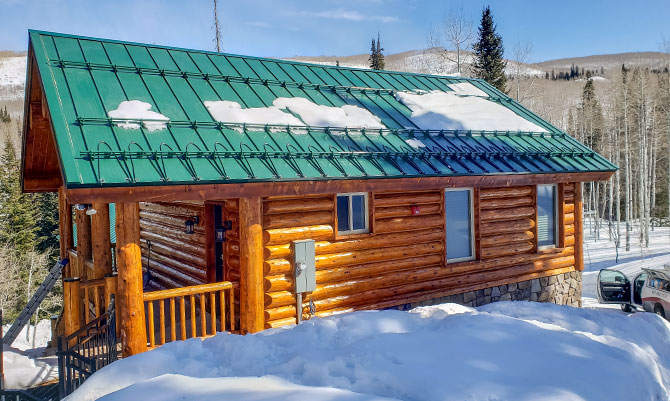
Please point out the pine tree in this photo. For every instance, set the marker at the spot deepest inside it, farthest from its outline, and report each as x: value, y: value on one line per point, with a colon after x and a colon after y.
x: 47, y: 221
x: 380, y: 55
x: 17, y: 217
x: 373, y: 55
x: 489, y: 62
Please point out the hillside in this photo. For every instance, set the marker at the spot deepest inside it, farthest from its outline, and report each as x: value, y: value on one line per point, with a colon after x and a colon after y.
x: 654, y: 60
x: 12, y: 81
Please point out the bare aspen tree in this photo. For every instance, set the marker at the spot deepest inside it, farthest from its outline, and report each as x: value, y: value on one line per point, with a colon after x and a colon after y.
x: 453, y: 35
x: 626, y: 154
x: 522, y: 53
x: 217, y: 28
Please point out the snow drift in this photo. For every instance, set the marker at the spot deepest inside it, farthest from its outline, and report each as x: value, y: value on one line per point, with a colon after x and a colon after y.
x: 503, y: 351
x: 138, y: 110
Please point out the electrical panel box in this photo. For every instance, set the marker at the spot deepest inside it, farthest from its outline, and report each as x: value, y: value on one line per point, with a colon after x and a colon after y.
x: 304, y: 265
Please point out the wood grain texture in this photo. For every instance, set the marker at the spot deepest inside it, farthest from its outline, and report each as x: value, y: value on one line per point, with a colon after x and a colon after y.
x: 251, y: 265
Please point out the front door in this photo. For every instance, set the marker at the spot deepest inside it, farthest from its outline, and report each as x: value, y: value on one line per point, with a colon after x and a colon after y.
x: 613, y: 287
x: 219, y: 256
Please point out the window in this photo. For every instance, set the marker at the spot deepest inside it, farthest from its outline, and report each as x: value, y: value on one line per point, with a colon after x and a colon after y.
x: 352, y: 213
x: 460, y: 227
x: 547, y: 234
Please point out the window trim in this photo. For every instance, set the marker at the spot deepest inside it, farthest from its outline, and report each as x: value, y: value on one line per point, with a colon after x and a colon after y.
x: 473, y: 251
x: 556, y: 220
x: 366, y: 214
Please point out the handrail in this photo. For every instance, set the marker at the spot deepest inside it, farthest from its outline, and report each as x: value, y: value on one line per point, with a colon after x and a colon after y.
x: 212, y: 314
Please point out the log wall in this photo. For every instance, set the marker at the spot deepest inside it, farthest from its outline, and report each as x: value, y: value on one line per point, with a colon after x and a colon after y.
x: 403, y: 260
x: 177, y: 259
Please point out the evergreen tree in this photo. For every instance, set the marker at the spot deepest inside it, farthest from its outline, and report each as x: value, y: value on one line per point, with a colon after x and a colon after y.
x: 47, y: 221
x: 380, y: 55
x: 17, y: 218
x: 489, y: 62
x: 376, y: 58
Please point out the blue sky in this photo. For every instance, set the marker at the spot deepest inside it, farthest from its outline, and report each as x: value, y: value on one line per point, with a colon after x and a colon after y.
x: 283, y: 28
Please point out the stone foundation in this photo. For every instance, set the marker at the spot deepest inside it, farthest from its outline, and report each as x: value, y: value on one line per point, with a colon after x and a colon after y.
x: 561, y: 289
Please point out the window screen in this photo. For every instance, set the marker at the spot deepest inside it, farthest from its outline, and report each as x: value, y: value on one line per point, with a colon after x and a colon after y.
x: 546, y: 215
x: 352, y: 213
x: 458, y: 211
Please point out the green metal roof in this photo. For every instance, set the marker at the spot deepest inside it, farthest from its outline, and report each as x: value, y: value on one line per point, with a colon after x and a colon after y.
x: 84, y: 78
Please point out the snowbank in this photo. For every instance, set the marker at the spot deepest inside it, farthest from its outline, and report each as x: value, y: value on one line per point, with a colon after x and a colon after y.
x: 503, y: 351
x: 310, y: 114
x: 138, y: 110
x: 446, y: 110
x: 23, y: 364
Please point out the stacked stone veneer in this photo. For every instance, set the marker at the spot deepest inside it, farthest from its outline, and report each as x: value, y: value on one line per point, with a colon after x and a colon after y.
x: 561, y: 289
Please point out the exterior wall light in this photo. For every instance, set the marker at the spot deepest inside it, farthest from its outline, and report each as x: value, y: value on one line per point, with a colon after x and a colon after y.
x: 190, y: 224
x: 87, y: 207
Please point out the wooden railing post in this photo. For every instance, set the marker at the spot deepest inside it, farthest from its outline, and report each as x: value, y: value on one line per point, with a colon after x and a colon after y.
x: 72, y: 304
x: 129, y: 281
x: 102, y: 246
x: 84, y: 250
x: 251, y: 265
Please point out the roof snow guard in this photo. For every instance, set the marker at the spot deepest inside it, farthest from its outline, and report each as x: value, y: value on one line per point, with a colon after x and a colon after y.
x: 92, y: 87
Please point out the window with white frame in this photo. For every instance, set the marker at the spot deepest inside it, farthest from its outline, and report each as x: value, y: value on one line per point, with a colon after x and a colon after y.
x: 459, y: 224
x: 352, y: 213
x: 547, y: 220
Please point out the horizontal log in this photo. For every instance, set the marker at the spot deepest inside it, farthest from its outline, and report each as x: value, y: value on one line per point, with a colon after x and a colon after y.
x: 568, y: 208
x: 505, y: 250
x: 506, y: 261
x: 503, y: 214
x: 278, y: 266
x: 569, y: 197
x: 406, y: 199
x: 297, y: 205
x: 192, y: 270
x: 174, y: 253
x: 179, y: 223
x: 497, y: 240
x: 398, y: 224
x: 570, y: 240
x: 505, y: 227
x: 232, y: 247
x: 406, y: 210
x: 569, y: 186
x: 512, y: 192
x: 378, y: 240
x: 569, y: 218
x: 284, y: 282
x: 181, y: 211
x: 569, y: 229
x: 184, y: 243
x: 495, y: 203
x: 288, y: 220
x: 231, y: 206
x: 178, y: 276
x: 285, y: 235
x: 170, y: 231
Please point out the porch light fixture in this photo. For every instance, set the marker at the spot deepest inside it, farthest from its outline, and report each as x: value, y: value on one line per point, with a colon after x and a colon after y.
x: 190, y: 224
x: 87, y: 207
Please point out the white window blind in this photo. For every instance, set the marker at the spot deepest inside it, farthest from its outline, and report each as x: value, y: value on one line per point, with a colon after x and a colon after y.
x: 546, y: 215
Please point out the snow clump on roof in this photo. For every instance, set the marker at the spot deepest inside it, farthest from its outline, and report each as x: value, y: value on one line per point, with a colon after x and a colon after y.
x: 138, y: 110
x: 466, y: 88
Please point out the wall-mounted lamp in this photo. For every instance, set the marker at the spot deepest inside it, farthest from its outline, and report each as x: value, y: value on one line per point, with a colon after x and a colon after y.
x: 190, y: 224
x: 221, y: 231
x: 86, y: 206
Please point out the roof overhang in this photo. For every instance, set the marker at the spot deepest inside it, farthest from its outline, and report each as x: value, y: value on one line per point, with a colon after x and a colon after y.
x: 40, y: 166
x: 207, y: 192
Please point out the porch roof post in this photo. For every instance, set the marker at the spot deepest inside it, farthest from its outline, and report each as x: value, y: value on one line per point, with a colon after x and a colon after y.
x: 252, y: 317
x: 130, y: 290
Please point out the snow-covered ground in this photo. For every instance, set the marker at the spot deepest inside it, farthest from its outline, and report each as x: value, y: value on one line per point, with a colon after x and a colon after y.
x: 502, y: 351
x: 12, y: 77
x: 25, y: 365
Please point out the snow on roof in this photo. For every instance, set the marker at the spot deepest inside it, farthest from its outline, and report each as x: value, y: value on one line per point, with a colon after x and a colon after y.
x: 316, y: 115
x: 138, y: 110
x: 285, y: 109
x: 415, y: 143
x: 466, y: 88
x: 445, y: 110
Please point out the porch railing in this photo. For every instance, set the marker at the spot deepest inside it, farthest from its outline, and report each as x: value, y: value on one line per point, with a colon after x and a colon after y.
x: 208, y: 310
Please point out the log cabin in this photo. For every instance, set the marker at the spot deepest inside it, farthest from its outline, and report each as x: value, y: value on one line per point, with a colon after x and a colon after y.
x: 252, y: 193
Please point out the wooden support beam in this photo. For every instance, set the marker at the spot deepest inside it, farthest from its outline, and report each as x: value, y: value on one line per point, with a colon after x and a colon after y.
x: 64, y: 228
x: 84, y: 249
x: 251, y: 265
x: 130, y: 291
x: 579, y: 228
x: 72, y: 304
x: 102, y: 246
